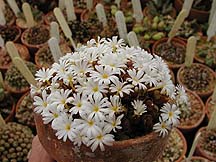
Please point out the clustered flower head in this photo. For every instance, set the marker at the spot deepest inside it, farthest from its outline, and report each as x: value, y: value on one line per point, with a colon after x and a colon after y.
x: 106, y: 88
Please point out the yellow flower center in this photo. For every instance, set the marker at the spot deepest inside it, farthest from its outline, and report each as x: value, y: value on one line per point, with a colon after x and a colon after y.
x: 163, y: 125
x: 45, y: 104
x: 114, y: 108
x: 105, y: 76
x: 96, y: 108
x: 91, y: 123
x: 79, y: 104
x: 95, y: 89
x: 170, y: 114
x: 55, y: 115
x: 63, y: 101
x: 67, y: 127
x: 99, y: 137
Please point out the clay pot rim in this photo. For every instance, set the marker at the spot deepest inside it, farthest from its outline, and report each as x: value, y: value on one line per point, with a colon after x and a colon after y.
x: 15, y: 90
x: 16, y: 28
x: 19, y: 103
x: 191, y: 127
x: 200, y: 150
x: 179, y: 41
x: 18, y: 45
x: 206, y: 107
x: 198, y: 158
x: 201, y: 94
x: 23, y: 38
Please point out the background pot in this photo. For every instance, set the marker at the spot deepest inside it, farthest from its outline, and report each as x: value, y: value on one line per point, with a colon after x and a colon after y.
x: 200, y: 15
x: 207, y: 107
x: 126, y: 150
x: 14, y: 28
x: 147, y: 14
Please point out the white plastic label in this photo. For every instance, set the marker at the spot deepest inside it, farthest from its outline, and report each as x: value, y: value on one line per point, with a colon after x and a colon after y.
x: 89, y: 4
x: 28, y: 15
x: 137, y: 9
x: 187, y: 6
x: 118, y: 2
x: 14, y: 7
x: 12, y: 50
x: 190, y: 51
x: 2, y: 4
x: 120, y: 20
x: 54, y: 30
x: 1, y: 42
x: 54, y: 48
x: 212, y: 28
x: 101, y: 14
x: 212, y: 11
x: 61, y: 4
x: 2, y: 17
x: 71, y: 16
x: 132, y: 39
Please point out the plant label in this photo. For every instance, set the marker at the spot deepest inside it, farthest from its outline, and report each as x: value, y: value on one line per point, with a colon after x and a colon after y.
x: 12, y: 50
x: 120, y: 20
x: 137, y: 10
x: 1, y: 42
x: 212, y: 121
x: 54, y: 48
x: 2, y: 122
x: 14, y: 7
x: 71, y: 16
x: 179, y: 20
x: 24, y: 70
x: 132, y: 39
x: 64, y: 26
x: 61, y: 4
x: 101, y: 14
x: 212, y: 28
x: 212, y: 11
x: 89, y: 4
x: 187, y: 6
x: 2, y: 4
x: 54, y: 30
x: 190, y: 51
x: 2, y: 17
x: 118, y: 2
x: 28, y: 15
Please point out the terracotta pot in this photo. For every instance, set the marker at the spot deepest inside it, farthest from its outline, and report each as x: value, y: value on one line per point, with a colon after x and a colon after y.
x: 212, y: 75
x: 209, y: 107
x: 147, y: 14
x: 199, y: 158
x: 64, y: 48
x: 23, y: 51
x: 150, y: 145
x: 200, y: 151
x: 177, y: 43
x: 9, y: 15
x: 33, y: 47
x: 200, y: 15
x: 30, y: 121
x: 15, y: 91
x: 195, y: 102
x: 21, y: 23
x: 14, y: 28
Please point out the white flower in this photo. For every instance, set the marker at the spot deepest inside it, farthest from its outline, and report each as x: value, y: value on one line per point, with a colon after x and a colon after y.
x: 181, y: 95
x: 81, y: 67
x: 35, y: 90
x: 114, y: 43
x: 94, y: 88
x: 64, y: 127
x: 113, y: 123
x: 115, y: 105
x: 150, y: 77
x: 80, y: 138
x: 61, y: 98
x: 79, y: 102
x: 68, y: 78
x: 43, y: 75
x: 87, y: 126
x: 41, y: 103
x: 51, y: 114
x: 104, y: 74
x: 97, y: 107
x: 60, y: 68
x: 139, y: 107
x: 120, y: 88
x: 101, y: 139
x: 170, y: 113
x: 136, y: 78
x: 168, y: 88
x: 162, y: 127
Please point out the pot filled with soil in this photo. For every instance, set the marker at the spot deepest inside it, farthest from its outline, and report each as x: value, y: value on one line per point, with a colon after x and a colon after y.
x: 10, y: 33
x: 9, y: 15
x: 198, y: 78
x: 44, y: 58
x: 192, y: 116
x: 209, y: 107
x: 207, y: 144
x: 173, y: 53
x: 35, y: 37
x: 175, y: 149
x: 5, y: 60
x: 15, y: 82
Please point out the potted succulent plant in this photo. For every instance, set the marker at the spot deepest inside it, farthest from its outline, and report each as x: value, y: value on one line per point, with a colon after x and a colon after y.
x: 15, y: 141
x: 159, y: 7
x: 192, y: 114
x: 35, y: 37
x: 102, y: 108
x: 175, y: 149
x: 206, y: 144
x: 7, y: 105
x: 198, y: 78
x: 200, y: 9
x: 44, y: 58
x: 24, y: 111
x: 173, y: 53
x: 9, y: 15
x: 10, y: 33
x: 205, y: 52
x: 14, y: 81
x: 5, y: 60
